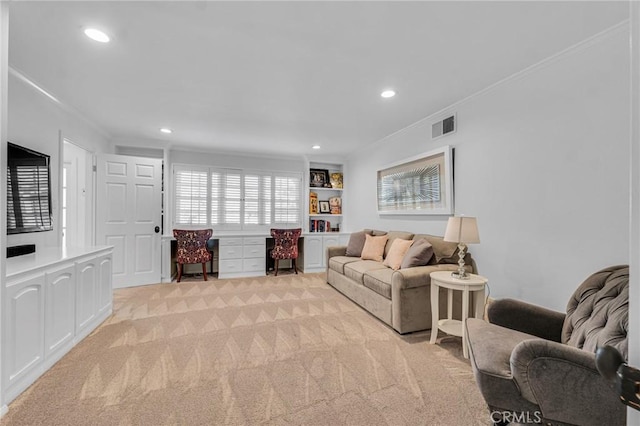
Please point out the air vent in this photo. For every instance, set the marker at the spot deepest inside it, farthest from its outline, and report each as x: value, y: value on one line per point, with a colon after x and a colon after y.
x: 443, y: 127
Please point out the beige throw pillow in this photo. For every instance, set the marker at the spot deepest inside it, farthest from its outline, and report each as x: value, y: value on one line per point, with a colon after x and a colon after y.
x: 396, y: 253
x: 373, y: 247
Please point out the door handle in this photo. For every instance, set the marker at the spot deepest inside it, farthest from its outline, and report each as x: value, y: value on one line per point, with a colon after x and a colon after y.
x: 626, y: 379
x: 157, y: 229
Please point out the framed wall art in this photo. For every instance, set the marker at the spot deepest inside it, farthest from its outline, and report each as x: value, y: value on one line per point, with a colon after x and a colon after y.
x: 420, y: 185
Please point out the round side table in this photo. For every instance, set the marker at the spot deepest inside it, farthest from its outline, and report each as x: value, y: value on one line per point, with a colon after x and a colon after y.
x: 476, y: 284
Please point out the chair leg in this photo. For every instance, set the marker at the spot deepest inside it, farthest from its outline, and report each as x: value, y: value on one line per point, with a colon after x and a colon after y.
x: 295, y: 265
x: 204, y: 270
x: 179, y: 271
x: 276, y: 268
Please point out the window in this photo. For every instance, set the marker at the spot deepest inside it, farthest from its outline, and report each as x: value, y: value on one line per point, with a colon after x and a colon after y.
x: 235, y: 199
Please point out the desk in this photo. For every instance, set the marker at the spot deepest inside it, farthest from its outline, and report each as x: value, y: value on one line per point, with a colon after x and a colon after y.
x: 245, y: 254
x: 475, y: 283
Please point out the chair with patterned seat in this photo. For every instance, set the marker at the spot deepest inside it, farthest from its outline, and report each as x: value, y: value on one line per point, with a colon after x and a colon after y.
x: 192, y: 248
x: 285, y: 246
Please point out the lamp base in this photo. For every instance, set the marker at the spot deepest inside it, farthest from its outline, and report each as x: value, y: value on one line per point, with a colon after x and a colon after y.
x: 457, y: 275
x: 461, y: 273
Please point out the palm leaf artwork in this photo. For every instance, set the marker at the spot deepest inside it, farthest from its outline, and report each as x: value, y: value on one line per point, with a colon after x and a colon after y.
x: 411, y: 189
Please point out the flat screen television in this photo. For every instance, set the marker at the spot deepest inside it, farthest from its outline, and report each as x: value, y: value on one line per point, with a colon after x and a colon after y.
x: 28, y: 191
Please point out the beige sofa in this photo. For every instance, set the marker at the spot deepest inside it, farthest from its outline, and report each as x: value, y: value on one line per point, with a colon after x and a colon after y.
x: 399, y: 298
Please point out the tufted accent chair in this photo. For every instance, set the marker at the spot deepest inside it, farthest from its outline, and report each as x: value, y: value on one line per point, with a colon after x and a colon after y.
x: 192, y: 248
x: 532, y: 363
x: 285, y: 246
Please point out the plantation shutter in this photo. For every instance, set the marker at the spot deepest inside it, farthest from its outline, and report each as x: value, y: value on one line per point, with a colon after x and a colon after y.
x: 191, y: 193
x: 257, y: 198
x: 226, y: 198
x: 287, y: 199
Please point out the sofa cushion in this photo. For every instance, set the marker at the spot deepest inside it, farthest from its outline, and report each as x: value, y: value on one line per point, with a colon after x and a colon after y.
x: 398, y: 249
x: 391, y: 237
x: 598, y: 312
x: 419, y: 254
x: 337, y: 262
x: 356, y: 243
x: 356, y: 270
x: 379, y: 280
x: 374, y: 247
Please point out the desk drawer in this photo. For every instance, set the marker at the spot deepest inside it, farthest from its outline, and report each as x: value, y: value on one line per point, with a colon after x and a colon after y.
x: 254, y: 241
x: 230, y: 252
x: 251, y: 252
x: 230, y: 266
x: 253, y: 265
x: 230, y: 242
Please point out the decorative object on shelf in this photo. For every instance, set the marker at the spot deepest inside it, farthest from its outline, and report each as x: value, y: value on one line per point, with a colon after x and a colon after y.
x: 417, y: 185
x: 313, y: 203
x: 319, y: 178
x: 462, y: 230
x: 335, y: 205
x: 336, y: 180
x: 324, y: 207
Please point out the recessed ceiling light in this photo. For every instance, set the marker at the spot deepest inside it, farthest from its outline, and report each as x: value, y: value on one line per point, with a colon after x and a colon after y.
x: 166, y: 130
x: 388, y: 94
x: 316, y: 147
x: 97, y: 35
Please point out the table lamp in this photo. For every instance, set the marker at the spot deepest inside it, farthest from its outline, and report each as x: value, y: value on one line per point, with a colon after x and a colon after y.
x: 462, y: 230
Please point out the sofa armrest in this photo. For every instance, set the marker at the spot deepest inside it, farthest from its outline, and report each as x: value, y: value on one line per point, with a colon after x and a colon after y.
x: 564, y: 382
x: 336, y: 251
x: 527, y: 318
x: 418, y: 276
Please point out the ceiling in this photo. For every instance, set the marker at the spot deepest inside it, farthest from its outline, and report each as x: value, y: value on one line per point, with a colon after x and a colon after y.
x: 279, y: 77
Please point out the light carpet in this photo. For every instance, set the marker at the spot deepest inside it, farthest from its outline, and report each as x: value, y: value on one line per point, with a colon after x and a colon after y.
x: 274, y: 350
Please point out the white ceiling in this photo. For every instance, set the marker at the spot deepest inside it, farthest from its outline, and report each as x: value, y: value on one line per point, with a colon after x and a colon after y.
x: 278, y: 77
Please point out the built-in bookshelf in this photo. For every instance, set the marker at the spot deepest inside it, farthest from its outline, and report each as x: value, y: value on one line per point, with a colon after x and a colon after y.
x: 325, y: 191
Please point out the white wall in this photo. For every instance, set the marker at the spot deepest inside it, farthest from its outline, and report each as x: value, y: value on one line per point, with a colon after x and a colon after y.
x: 35, y: 121
x: 542, y: 160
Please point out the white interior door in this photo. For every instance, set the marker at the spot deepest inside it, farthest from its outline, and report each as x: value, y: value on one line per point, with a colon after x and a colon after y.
x: 129, y: 204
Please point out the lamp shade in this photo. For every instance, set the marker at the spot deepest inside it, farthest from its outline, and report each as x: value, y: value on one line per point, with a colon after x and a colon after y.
x: 462, y: 229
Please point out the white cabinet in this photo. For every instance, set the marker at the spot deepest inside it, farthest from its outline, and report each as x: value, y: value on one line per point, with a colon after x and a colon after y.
x: 105, y: 290
x: 241, y: 257
x: 60, y: 310
x: 86, y: 294
x: 51, y: 300
x: 24, y: 331
x: 315, y: 248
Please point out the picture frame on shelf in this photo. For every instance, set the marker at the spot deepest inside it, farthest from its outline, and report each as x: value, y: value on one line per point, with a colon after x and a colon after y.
x: 336, y: 180
x: 319, y: 178
x: 324, y: 207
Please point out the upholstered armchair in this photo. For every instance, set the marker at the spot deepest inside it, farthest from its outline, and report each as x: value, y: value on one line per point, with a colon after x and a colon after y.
x: 285, y: 246
x: 536, y: 365
x: 192, y: 248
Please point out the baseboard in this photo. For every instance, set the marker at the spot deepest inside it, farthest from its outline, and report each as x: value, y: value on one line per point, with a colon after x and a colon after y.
x: 3, y: 410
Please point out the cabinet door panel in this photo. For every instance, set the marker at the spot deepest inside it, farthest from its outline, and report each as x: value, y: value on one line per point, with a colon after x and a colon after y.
x: 313, y: 253
x: 60, y: 308
x: 87, y: 293
x: 24, y: 327
x: 105, y: 291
